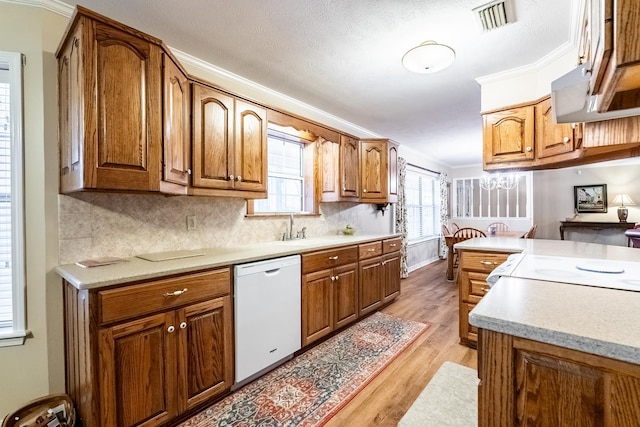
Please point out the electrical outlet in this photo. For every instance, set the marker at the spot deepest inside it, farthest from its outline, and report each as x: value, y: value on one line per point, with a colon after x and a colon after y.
x: 191, y: 222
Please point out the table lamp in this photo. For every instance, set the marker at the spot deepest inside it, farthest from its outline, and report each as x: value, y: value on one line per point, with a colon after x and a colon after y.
x: 622, y: 200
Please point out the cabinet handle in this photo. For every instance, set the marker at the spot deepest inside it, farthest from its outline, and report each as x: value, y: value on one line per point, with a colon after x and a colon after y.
x: 183, y: 325
x: 393, y: 245
x: 565, y: 139
x: 231, y: 177
x: 529, y: 148
x: 171, y: 328
x: 238, y: 178
x: 371, y: 250
x: 175, y: 293
x: 333, y: 258
x: 488, y: 262
x: 486, y: 289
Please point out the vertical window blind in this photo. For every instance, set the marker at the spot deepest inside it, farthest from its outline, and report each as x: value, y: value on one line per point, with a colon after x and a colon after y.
x: 422, y: 192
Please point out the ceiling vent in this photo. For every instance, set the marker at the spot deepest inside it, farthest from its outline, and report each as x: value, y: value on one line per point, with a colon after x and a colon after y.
x: 495, y: 14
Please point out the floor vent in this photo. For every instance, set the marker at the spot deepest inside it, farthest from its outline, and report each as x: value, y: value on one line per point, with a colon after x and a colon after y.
x: 495, y: 14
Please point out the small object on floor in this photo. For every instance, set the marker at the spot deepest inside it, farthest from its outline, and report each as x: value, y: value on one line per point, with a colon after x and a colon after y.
x: 449, y: 400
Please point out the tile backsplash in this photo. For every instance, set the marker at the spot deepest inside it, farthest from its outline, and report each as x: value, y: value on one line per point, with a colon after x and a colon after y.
x: 113, y: 224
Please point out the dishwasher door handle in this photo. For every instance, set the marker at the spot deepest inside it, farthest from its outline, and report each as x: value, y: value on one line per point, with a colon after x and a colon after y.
x: 272, y: 272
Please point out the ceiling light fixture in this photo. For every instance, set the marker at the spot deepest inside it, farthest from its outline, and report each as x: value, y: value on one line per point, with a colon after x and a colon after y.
x: 428, y: 57
x: 498, y: 181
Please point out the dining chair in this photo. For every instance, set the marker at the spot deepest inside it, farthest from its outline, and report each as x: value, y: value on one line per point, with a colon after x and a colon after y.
x: 531, y: 234
x: 499, y: 226
x: 445, y: 231
x: 468, y: 233
x: 454, y: 227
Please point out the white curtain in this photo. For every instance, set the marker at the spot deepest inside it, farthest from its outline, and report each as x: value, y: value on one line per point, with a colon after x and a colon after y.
x: 444, y: 212
x: 401, y: 216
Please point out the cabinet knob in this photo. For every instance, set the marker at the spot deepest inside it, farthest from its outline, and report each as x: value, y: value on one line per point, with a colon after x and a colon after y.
x: 183, y: 325
x: 238, y: 178
x: 171, y: 328
x: 333, y: 258
x: 334, y: 278
x: 529, y: 148
x: 489, y: 262
x: 175, y: 293
x: 364, y: 191
x: 231, y: 177
x: 188, y: 171
x: 393, y: 245
x: 344, y: 188
x: 371, y: 250
x: 565, y: 139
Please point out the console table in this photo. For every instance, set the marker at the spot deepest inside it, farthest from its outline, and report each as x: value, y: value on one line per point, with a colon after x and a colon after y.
x: 594, y: 225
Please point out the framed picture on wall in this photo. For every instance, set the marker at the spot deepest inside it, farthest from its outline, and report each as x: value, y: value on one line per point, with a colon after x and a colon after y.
x: 590, y: 198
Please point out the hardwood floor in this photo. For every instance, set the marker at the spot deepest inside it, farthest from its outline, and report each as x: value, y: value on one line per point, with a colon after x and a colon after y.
x: 429, y: 298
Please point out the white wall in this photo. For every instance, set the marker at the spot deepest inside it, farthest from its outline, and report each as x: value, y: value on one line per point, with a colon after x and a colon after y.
x: 36, y: 368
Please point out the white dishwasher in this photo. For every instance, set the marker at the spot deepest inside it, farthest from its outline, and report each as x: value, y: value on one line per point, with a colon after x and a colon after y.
x: 267, y: 314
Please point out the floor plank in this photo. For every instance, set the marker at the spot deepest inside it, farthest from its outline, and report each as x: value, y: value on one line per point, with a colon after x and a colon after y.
x: 426, y: 297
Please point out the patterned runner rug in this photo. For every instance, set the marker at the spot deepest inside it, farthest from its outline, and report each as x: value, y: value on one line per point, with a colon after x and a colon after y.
x: 311, y: 388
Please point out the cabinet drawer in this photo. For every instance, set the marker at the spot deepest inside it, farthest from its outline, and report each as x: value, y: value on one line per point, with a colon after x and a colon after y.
x: 476, y: 287
x: 136, y: 300
x: 370, y: 250
x: 481, y: 261
x: 321, y: 260
x: 391, y: 245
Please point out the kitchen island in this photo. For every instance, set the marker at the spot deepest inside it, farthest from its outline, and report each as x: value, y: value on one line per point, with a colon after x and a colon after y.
x: 554, y: 353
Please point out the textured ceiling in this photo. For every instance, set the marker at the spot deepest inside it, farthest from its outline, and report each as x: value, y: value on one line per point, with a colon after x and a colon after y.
x: 343, y: 56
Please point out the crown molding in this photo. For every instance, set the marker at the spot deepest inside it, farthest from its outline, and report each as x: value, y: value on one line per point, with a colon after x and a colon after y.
x: 55, y: 6
x: 301, y: 107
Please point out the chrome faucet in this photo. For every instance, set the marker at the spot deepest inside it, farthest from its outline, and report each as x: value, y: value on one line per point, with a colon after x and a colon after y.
x: 291, y: 227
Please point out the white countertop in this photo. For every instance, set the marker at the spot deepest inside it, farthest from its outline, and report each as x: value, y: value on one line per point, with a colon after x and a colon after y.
x: 595, y: 320
x: 136, y: 269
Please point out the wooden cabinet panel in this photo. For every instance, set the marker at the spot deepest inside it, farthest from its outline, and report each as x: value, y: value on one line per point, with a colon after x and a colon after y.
x: 317, y: 306
x: 349, y: 170
x: 551, y: 138
x: 393, y: 173
x: 371, y: 285
x: 250, y: 147
x: 508, y: 135
x: 524, y: 382
x: 374, y: 166
x: 328, y: 175
x: 213, y: 118
x: 137, y: 382
x: 205, y: 356
x: 326, y: 259
x: 176, y: 163
x: 369, y: 250
x: 345, y: 294
x: 391, y: 267
x: 391, y: 245
x: 482, y: 261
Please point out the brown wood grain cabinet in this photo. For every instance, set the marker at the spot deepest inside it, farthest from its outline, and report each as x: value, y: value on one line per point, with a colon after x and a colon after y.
x: 378, y: 171
x: 229, y: 145
x: 329, y: 291
x: 371, y: 277
x: 525, y: 382
x: 111, y: 108
x: 327, y: 170
x: 473, y: 269
x: 508, y: 135
x: 391, y: 268
x: 141, y: 354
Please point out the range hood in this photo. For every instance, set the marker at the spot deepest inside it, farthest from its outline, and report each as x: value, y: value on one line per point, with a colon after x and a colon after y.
x: 572, y: 101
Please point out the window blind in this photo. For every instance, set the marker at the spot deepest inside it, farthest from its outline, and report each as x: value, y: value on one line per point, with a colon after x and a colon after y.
x: 6, y: 300
x: 422, y: 202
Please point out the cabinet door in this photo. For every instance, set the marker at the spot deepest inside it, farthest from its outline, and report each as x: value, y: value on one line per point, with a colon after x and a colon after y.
x: 328, y: 153
x: 374, y: 174
x: 393, y: 173
x: 205, y: 351
x: 137, y: 371
x: 371, y: 284
x: 317, y: 306
x: 176, y: 108
x: 250, y: 147
x: 125, y: 144
x: 551, y: 138
x: 349, y: 167
x: 213, y: 113
x: 508, y: 135
x: 391, y: 267
x: 345, y: 294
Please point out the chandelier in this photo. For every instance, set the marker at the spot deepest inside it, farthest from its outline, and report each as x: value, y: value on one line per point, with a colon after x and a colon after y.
x: 499, y: 181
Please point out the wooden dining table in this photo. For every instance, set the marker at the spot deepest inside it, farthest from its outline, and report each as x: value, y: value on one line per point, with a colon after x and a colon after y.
x: 451, y: 240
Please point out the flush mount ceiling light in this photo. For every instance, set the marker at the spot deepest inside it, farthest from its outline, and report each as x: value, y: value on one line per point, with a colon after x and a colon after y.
x: 428, y: 57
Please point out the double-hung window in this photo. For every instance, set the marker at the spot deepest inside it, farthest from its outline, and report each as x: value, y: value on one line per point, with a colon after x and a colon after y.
x: 12, y: 283
x: 422, y: 192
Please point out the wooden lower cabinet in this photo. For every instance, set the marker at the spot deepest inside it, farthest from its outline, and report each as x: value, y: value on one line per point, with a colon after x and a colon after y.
x: 391, y: 269
x: 145, y: 369
x: 473, y: 269
x: 527, y: 383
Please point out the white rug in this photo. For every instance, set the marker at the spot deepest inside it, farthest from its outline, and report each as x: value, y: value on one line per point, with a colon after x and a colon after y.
x: 449, y: 400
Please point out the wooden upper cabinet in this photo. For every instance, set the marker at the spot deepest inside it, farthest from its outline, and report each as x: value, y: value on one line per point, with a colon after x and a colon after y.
x: 349, y: 184
x: 111, y: 107
x: 508, y: 135
x: 229, y: 143
x: 213, y: 121
x: 250, y: 147
x: 177, y: 136
x: 374, y: 170
x: 393, y: 172
x: 327, y: 171
x: 551, y: 138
